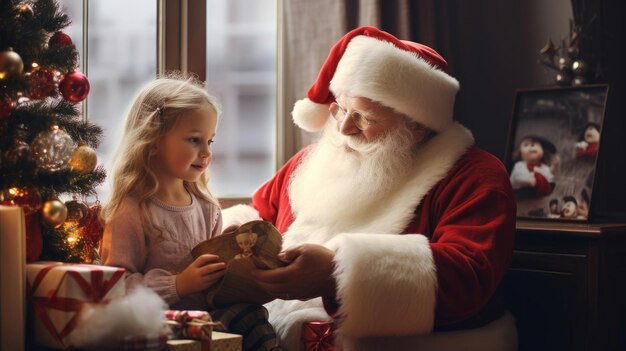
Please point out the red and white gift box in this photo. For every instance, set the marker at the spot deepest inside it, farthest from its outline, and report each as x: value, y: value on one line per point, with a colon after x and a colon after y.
x: 318, y: 336
x: 58, y: 292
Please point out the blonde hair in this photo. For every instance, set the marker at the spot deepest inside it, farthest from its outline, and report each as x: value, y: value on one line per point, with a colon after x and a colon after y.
x: 153, y: 112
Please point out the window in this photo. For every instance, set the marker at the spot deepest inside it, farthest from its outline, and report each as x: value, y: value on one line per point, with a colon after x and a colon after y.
x: 241, y: 72
x: 241, y: 45
x: 120, y: 58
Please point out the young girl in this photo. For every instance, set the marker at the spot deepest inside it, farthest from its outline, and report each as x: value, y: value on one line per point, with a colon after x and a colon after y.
x: 535, y: 163
x: 161, y: 207
x: 588, y: 142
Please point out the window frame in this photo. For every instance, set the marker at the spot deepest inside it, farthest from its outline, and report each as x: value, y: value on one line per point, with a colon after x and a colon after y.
x: 181, y: 35
x: 181, y: 46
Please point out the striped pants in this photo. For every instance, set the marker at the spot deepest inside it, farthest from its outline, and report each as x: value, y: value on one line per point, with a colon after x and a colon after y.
x: 250, y: 321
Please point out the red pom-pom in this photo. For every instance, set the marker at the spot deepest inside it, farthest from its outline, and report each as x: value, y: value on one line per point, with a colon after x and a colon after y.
x: 74, y: 87
x: 93, y: 228
x: 60, y: 39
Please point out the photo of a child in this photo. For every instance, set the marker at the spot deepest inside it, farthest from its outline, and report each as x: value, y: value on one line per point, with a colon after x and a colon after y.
x: 535, y: 164
x: 552, y: 151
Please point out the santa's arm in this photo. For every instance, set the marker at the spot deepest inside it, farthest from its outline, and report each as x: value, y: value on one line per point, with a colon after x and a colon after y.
x: 398, y: 284
x: 386, y: 284
x: 472, y: 248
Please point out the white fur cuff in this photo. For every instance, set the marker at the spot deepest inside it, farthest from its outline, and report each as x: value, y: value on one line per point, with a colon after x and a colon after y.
x: 386, y: 284
x: 238, y: 215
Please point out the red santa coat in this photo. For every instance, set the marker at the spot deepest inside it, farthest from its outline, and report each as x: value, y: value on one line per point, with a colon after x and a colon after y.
x: 457, y: 217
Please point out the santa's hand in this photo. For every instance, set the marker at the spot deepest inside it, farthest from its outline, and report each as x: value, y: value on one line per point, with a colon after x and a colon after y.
x: 309, y: 274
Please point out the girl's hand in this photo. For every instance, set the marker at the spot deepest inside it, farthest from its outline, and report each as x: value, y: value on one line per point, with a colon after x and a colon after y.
x: 199, y: 275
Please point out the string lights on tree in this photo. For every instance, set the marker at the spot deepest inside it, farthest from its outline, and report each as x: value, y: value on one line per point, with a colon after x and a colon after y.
x: 47, y: 150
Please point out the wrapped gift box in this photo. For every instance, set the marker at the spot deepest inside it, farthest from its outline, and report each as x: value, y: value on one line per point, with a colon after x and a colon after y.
x: 318, y: 336
x: 57, y: 293
x: 190, y: 324
x: 219, y: 342
x: 154, y: 342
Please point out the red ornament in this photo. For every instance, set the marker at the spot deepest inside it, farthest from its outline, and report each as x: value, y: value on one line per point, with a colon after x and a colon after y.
x: 28, y: 197
x: 92, y: 234
x: 74, y: 87
x: 60, y: 39
x: 93, y: 228
x: 41, y: 84
x: 34, y: 240
x: 7, y: 105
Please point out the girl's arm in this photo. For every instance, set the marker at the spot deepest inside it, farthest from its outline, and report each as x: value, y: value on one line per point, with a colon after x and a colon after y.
x: 124, y: 245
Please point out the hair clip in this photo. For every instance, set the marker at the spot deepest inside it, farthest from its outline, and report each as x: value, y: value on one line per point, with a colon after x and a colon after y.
x: 159, y: 110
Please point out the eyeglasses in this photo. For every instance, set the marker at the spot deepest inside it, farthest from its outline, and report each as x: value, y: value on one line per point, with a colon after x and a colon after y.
x: 339, y: 114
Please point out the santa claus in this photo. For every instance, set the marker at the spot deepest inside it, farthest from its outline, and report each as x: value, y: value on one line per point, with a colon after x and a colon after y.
x: 395, y: 226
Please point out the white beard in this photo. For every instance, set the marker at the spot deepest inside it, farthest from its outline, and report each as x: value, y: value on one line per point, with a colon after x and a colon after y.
x: 334, y: 189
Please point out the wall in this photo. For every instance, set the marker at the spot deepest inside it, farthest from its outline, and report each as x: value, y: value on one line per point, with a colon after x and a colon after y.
x: 499, y: 43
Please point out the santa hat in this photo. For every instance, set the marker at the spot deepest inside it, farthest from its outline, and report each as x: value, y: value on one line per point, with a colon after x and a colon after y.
x: 409, y: 77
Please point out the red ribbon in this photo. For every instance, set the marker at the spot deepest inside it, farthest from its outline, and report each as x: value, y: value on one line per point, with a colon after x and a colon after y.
x: 95, y: 291
x: 190, y: 324
x: 318, y: 336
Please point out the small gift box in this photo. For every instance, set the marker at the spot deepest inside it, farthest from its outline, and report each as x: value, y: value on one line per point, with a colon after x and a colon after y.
x: 219, y: 342
x: 57, y: 293
x: 156, y: 342
x: 318, y: 336
x: 190, y: 324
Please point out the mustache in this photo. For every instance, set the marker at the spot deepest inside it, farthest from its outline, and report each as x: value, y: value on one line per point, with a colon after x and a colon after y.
x: 356, y: 143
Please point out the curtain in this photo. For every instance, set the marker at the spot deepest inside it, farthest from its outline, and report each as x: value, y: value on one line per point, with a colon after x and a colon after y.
x: 312, y: 27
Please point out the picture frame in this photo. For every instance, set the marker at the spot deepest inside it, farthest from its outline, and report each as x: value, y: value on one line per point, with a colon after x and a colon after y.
x: 552, y: 151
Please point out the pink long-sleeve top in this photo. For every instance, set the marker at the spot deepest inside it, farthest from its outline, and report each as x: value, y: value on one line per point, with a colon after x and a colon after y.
x: 155, y: 261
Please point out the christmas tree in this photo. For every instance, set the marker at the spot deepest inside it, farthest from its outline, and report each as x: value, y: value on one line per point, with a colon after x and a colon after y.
x: 46, y: 146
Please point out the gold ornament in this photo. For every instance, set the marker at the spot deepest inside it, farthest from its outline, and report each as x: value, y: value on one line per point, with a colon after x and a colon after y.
x: 76, y: 213
x: 10, y: 64
x: 84, y: 159
x: 53, y: 213
x: 25, y: 11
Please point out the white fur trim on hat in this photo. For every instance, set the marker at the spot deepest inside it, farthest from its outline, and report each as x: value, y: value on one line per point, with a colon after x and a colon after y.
x: 396, y: 78
x: 309, y: 115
